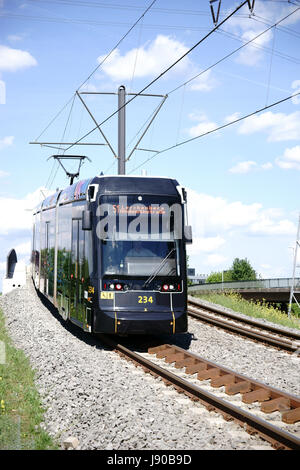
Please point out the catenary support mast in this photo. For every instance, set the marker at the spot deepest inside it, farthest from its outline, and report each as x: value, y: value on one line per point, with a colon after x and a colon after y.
x: 292, y: 291
x: 121, y: 130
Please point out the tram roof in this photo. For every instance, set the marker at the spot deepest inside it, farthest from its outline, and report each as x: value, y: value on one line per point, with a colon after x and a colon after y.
x: 112, y: 184
x: 133, y: 184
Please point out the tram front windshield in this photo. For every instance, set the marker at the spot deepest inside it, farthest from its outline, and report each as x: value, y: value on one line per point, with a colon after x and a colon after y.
x: 140, y: 258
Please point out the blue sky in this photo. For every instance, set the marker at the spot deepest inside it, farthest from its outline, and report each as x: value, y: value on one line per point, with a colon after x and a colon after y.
x: 243, y: 180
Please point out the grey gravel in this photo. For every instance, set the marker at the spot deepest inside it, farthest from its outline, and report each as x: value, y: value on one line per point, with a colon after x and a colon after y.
x: 105, y: 402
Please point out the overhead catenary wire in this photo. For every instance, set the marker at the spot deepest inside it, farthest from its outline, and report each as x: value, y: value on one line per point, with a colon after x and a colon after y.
x: 98, y: 66
x: 136, y: 55
x: 118, y: 43
x: 122, y: 7
x: 285, y: 29
x: 165, y: 71
x: 119, y: 6
x: 287, y: 57
x: 215, y: 130
x: 95, y: 23
x: 233, y: 52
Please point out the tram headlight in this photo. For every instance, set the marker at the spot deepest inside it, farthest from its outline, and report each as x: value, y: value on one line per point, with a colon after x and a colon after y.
x: 170, y: 287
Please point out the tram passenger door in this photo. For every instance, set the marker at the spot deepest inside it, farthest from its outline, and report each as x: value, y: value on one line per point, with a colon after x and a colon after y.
x: 46, y: 259
x: 76, y: 297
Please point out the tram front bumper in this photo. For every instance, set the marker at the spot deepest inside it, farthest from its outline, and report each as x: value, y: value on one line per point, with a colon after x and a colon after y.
x: 138, y: 322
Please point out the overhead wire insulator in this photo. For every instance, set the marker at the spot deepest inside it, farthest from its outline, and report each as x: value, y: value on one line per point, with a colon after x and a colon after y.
x: 251, y: 5
x: 215, y: 17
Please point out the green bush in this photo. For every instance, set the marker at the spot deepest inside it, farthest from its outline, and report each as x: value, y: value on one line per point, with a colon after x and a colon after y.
x: 252, y: 308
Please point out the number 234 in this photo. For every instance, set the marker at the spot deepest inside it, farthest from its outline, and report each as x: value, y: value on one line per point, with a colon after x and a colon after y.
x: 143, y: 299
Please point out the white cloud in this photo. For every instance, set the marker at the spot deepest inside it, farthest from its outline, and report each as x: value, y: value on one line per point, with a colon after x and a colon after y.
x: 205, y: 244
x: 268, y: 271
x: 212, y: 217
x: 205, y: 82
x: 266, y: 226
x: 23, y: 248
x: 202, y: 127
x: 214, y: 260
x: 232, y: 117
x: 2, y: 92
x: 247, y: 28
x: 15, y: 59
x: 247, y: 166
x: 3, y: 174
x: 267, y: 166
x: 253, y: 53
x: 223, y: 230
x: 17, y: 213
x: 296, y: 87
x: 6, y: 141
x: 243, y: 167
x: 290, y: 159
x: 148, y: 60
x: 279, y: 126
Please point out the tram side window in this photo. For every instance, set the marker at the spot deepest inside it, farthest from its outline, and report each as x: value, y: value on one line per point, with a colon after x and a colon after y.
x: 37, y: 241
x: 74, y: 260
x: 81, y: 242
x: 64, y: 246
x: 88, y: 254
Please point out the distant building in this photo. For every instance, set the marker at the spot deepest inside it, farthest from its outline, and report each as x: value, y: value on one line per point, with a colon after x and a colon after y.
x: 191, y: 272
x: 196, y: 278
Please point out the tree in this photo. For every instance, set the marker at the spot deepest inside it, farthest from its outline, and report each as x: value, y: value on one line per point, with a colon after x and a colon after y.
x: 217, y: 276
x: 214, y: 277
x: 242, y: 270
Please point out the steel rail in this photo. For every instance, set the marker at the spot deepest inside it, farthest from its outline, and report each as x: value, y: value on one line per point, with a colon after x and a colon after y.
x: 250, y: 321
x: 279, y: 438
x: 271, y: 340
x: 249, y: 332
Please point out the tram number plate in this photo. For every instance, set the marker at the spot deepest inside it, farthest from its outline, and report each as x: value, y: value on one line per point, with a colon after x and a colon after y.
x: 107, y: 295
x: 144, y: 299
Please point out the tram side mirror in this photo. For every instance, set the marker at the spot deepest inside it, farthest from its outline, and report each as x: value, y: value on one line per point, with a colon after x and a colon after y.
x: 86, y: 220
x: 188, y: 236
x: 91, y: 193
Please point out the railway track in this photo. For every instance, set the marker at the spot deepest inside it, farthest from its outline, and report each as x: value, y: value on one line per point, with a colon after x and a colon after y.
x: 235, y: 323
x: 272, y: 414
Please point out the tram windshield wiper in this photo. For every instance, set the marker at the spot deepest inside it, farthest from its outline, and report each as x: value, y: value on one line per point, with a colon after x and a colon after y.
x: 156, y: 271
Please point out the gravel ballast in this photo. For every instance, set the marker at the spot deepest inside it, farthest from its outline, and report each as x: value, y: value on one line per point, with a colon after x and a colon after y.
x: 92, y: 394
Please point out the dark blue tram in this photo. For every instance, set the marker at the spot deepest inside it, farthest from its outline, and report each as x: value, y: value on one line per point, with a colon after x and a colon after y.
x: 109, y: 253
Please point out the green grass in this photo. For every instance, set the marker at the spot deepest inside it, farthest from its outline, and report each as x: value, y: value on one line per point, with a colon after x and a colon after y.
x: 252, y: 309
x: 21, y: 411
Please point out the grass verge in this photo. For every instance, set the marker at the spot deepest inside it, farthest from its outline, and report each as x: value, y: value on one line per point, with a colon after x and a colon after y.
x: 21, y: 411
x: 252, y: 309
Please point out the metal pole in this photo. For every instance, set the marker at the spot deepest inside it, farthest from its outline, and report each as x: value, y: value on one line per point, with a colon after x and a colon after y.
x: 121, y: 130
x: 294, y: 270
